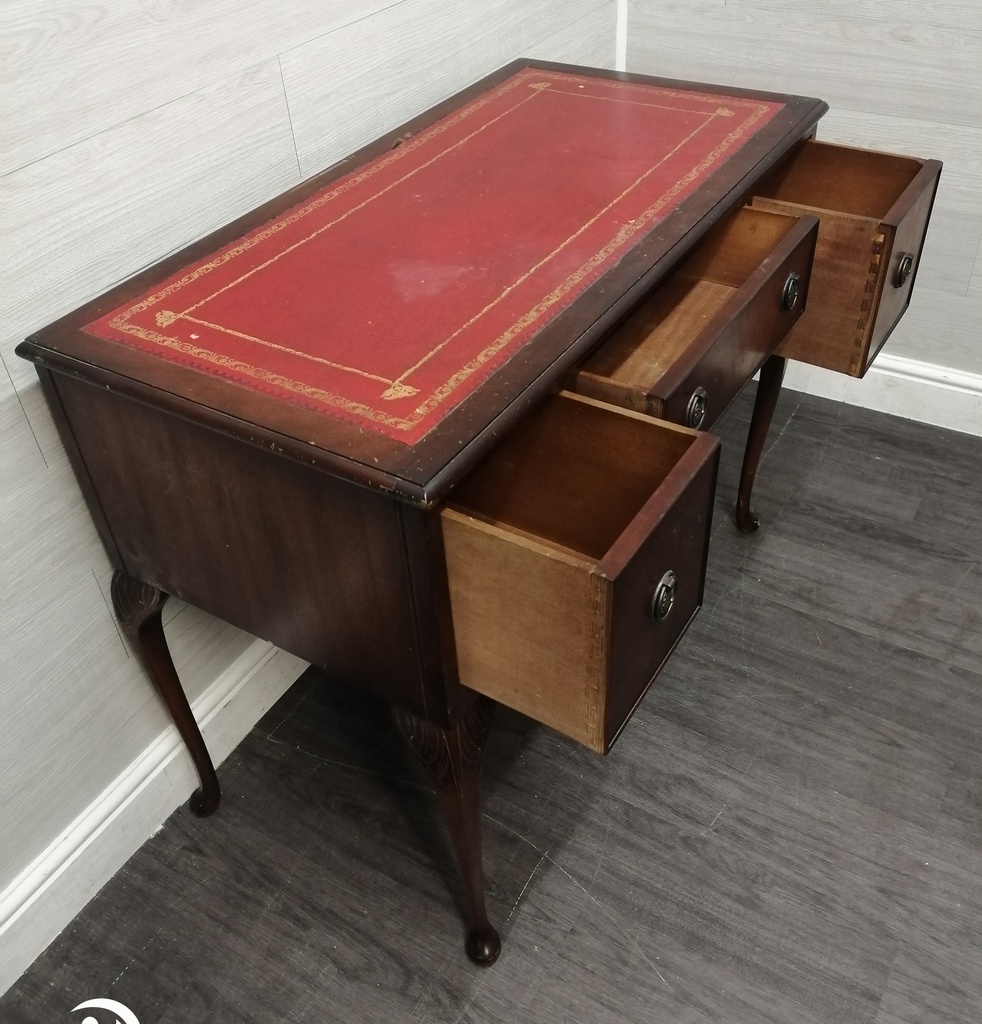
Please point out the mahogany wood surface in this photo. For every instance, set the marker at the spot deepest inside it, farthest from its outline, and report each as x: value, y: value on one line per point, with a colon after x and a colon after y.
x: 319, y: 566
x: 138, y: 606
x: 768, y: 391
x: 453, y: 757
x: 874, y: 209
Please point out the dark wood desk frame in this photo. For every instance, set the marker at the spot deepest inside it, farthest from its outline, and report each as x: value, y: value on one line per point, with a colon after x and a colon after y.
x: 356, y: 582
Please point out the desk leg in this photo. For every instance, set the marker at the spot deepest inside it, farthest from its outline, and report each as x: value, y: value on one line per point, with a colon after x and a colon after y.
x: 453, y: 759
x: 768, y: 390
x: 138, y: 607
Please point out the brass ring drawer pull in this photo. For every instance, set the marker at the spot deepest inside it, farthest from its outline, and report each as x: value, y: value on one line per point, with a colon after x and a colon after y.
x: 792, y: 289
x: 695, y: 411
x: 904, y: 270
x: 664, y: 599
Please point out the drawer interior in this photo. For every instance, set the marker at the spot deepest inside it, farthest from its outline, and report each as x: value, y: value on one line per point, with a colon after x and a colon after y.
x: 574, y: 476
x: 858, y: 182
x: 873, y: 210
x: 659, y: 332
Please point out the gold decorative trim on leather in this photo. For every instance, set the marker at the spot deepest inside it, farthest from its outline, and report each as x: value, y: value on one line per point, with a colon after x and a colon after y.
x: 398, y: 387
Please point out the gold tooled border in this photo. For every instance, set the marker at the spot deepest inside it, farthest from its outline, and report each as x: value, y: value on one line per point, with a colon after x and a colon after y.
x: 121, y: 320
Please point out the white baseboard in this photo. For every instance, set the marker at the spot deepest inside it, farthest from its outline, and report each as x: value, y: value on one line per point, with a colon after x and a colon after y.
x: 48, y: 894
x: 904, y: 387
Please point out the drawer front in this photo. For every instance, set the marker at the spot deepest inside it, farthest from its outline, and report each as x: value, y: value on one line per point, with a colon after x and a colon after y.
x: 640, y: 643
x: 900, y: 260
x: 742, y: 335
x: 557, y: 620
x: 874, y: 210
x: 689, y: 349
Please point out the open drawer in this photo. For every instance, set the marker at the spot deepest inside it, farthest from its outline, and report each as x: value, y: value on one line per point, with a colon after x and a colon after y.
x: 686, y: 351
x: 576, y: 558
x: 874, y: 210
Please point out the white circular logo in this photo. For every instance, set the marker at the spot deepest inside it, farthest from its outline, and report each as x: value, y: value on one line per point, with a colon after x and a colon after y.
x: 124, y: 1015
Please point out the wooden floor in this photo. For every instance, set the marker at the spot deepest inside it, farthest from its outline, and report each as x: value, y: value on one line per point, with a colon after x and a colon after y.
x: 790, y: 830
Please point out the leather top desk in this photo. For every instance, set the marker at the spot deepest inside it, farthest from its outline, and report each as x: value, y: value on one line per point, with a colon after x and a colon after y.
x: 429, y: 420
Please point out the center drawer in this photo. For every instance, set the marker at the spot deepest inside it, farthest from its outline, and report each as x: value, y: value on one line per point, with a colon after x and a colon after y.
x: 686, y: 351
x: 576, y: 558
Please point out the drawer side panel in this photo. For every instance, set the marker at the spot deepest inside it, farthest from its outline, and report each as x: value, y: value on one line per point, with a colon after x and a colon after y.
x: 834, y: 329
x: 529, y: 626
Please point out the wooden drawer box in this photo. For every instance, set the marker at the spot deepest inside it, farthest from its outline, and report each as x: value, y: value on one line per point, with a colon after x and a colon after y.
x: 874, y: 210
x: 688, y: 349
x: 576, y: 558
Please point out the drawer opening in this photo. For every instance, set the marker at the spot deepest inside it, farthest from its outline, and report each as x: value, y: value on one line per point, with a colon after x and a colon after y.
x: 641, y: 351
x: 659, y: 332
x: 858, y: 182
x: 574, y: 476
x: 734, y: 249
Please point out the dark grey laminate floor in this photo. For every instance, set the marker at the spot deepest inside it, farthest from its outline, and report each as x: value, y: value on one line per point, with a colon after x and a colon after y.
x: 790, y: 830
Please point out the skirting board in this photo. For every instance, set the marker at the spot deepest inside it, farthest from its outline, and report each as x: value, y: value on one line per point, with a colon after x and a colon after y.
x: 48, y: 894
x: 904, y: 387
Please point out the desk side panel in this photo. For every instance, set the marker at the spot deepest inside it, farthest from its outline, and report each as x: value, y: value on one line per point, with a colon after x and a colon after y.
x: 317, y: 565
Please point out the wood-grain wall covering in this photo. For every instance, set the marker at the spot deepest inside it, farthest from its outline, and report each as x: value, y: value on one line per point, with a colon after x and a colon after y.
x: 127, y: 129
x: 900, y: 76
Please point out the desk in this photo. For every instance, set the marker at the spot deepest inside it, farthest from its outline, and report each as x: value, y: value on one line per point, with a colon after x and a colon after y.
x: 414, y: 420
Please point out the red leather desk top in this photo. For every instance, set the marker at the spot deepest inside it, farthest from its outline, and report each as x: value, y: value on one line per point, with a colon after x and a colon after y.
x: 386, y: 298
x: 389, y: 319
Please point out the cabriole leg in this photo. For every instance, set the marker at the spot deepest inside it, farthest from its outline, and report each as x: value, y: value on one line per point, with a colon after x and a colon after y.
x: 768, y: 390
x: 453, y: 759
x: 138, y: 606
